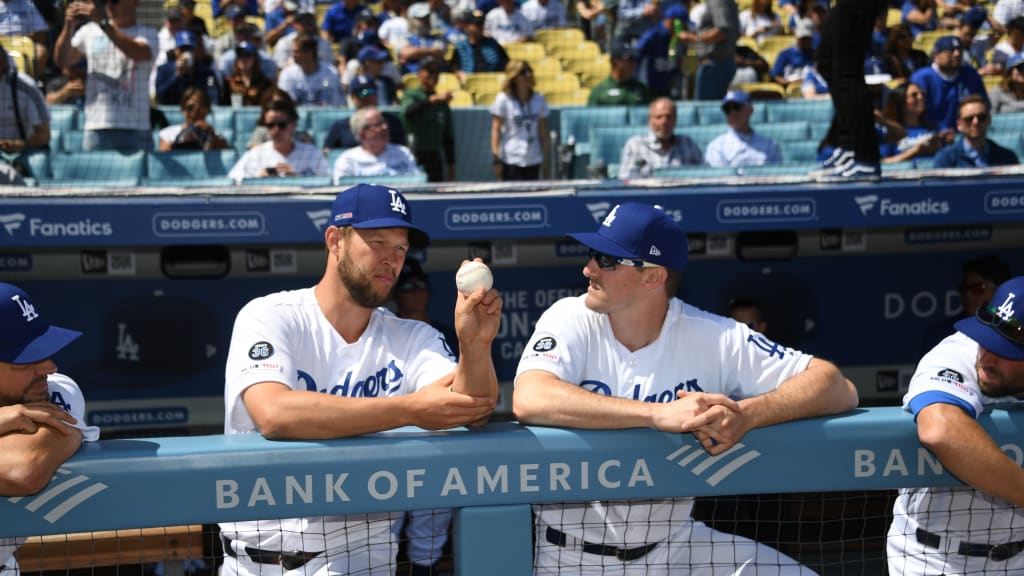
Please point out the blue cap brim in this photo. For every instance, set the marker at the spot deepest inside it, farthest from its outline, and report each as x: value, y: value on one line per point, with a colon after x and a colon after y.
x: 602, y: 244
x: 418, y: 238
x: 42, y: 347
x: 990, y: 339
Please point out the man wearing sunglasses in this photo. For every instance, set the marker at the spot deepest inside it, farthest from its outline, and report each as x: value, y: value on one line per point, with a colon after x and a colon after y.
x: 976, y: 529
x: 629, y: 354
x: 974, y: 149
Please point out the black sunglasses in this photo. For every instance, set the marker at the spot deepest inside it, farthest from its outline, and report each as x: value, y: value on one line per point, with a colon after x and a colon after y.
x: 980, y: 117
x: 606, y: 262
x: 731, y: 107
x: 1012, y: 329
x: 279, y: 125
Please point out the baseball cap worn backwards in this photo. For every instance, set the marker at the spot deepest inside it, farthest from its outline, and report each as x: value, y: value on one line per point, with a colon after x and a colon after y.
x: 639, y: 232
x: 998, y: 326
x: 368, y: 206
x: 27, y: 337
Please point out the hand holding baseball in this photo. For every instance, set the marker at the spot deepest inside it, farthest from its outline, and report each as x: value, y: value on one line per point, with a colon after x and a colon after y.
x: 477, y: 312
x: 473, y: 274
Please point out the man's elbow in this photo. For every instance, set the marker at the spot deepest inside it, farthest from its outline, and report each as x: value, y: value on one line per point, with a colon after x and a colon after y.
x: 26, y: 480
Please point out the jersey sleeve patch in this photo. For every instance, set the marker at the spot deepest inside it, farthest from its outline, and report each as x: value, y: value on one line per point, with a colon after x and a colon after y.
x: 545, y: 344
x: 261, y: 351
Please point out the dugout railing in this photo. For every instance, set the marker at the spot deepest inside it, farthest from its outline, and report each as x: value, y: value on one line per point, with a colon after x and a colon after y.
x: 489, y: 475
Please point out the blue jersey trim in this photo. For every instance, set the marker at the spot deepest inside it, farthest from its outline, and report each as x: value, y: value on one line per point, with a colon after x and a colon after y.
x: 925, y: 399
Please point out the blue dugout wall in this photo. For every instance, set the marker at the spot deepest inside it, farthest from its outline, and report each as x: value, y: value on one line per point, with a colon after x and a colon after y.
x: 137, y: 483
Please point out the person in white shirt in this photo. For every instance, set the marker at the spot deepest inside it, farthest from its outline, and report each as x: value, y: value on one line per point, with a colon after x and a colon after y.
x: 740, y: 145
x: 305, y: 23
x: 375, y: 155
x: 519, y: 123
x: 659, y: 148
x: 544, y: 13
x: 282, y: 155
x: 307, y: 80
x: 507, y: 24
x: 120, y: 54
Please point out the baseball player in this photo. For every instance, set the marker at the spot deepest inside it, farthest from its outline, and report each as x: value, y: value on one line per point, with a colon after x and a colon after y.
x: 628, y: 354
x: 978, y: 529
x: 42, y: 413
x: 329, y: 362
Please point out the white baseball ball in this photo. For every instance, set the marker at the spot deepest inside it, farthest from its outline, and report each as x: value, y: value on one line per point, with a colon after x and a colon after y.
x: 473, y: 275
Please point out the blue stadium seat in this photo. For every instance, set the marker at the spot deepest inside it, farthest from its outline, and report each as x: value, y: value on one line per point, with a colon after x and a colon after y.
x: 39, y: 163
x: 1007, y: 123
x: 71, y: 141
x: 321, y: 120
x: 799, y: 151
x: 190, y: 168
x: 813, y: 111
x: 785, y: 131
x: 686, y: 115
x: 703, y: 135
x: 579, y: 122
x: 64, y: 117
x: 907, y: 165
x: 106, y: 168
x: 693, y: 172
x: 55, y: 140
x: 710, y: 112
x: 222, y: 118
x: 296, y: 181
x: 606, y: 143
x: 785, y: 169
x: 246, y: 118
x: 418, y: 178
x: 172, y: 112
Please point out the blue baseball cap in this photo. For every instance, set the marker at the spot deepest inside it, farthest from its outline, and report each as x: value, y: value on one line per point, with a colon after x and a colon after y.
x: 639, y: 232
x: 975, y: 17
x: 736, y: 97
x: 368, y: 206
x: 370, y: 52
x: 362, y: 86
x: 27, y: 337
x: 947, y: 43
x: 184, y: 38
x: 234, y: 12
x: 997, y: 326
x: 676, y: 12
x: 246, y: 47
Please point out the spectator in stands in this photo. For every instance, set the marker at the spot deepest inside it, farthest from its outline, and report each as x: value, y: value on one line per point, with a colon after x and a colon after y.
x: 364, y: 33
x: 979, y: 278
x: 544, y: 13
x: 369, y: 232
x: 303, y: 23
x: 978, y: 45
x: 247, y: 79
x: 250, y: 7
x: 22, y: 18
x: 974, y: 149
x: 750, y: 66
x: 1009, y: 95
x: 278, y: 22
x: 920, y: 15
x: 519, y: 125
x: 191, y: 21
x: 422, y: 41
x: 814, y: 85
x: 739, y: 379
x: 477, y: 52
x: 307, y: 80
x: 226, y: 42
x: 906, y: 132
x: 120, y: 55
x: 621, y: 86
x: 340, y: 19
x: 760, y: 21
x: 375, y: 155
x: 657, y: 67
x: 42, y: 412
x: 947, y: 81
x: 69, y: 87
x: 1010, y: 46
x: 979, y: 367
x: 740, y: 145
x: 747, y: 311
x: 394, y: 31
x: 791, y: 64
x: 194, y: 133
x: 900, y: 58
x: 507, y: 24
x: 282, y: 155
x: 429, y: 124
x: 363, y: 93
x: 252, y: 35
x: 24, y: 117
x: 632, y: 19
x: 1003, y: 12
x: 185, y: 71
x: 591, y: 18
x: 659, y: 148
x: 374, y: 60
x: 261, y: 134
x: 718, y: 28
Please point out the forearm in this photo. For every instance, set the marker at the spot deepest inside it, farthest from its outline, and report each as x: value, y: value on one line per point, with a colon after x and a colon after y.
x: 819, y: 390
x: 302, y: 415
x: 475, y: 375
x: 65, y: 55
x: 134, y: 50
x: 29, y: 461
x: 40, y: 137
x: 540, y: 398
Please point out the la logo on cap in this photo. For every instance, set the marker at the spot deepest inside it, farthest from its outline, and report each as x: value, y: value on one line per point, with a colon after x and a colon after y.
x: 610, y: 217
x: 1005, y: 310
x: 397, y: 205
x: 28, y: 311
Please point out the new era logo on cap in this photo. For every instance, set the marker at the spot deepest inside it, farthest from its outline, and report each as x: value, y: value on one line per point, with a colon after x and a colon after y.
x: 366, y: 206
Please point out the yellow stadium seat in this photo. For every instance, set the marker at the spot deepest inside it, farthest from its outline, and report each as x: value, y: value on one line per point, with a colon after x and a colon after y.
x: 23, y: 50
x: 448, y: 81
x: 893, y: 17
x: 484, y: 82
x: 763, y: 90
x: 410, y: 80
x: 552, y: 36
x: 925, y: 40
x: 775, y: 44
x: 991, y: 81
x: 461, y: 99
x: 574, y: 98
x: 526, y: 51
x: 546, y: 67
x: 564, y: 51
x: 592, y: 65
x: 321, y: 9
x: 564, y: 83
x: 794, y: 90
x: 485, y: 95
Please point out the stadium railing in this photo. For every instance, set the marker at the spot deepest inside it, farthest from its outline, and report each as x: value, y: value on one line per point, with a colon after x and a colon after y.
x: 489, y: 475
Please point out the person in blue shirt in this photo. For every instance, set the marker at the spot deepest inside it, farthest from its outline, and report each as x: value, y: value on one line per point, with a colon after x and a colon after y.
x: 654, y: 67
x: 947, y: 81
x: 340, y: 19
x: 791, y: 63
x: 740, y: 145
x: 973, y: 149
x: 920, y: 15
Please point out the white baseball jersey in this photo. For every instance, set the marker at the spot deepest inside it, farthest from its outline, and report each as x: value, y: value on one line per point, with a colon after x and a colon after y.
x: 305, y: 159
x: 65, y: 393
x: 321, y: 88
x: 284, y: 337
x: 520, y: 142
x: 357, y: 161
x: 551, y: 15
x: 947, y: 374
x: 507, y: 28
x: 116, y: 88
x: 696, y: 351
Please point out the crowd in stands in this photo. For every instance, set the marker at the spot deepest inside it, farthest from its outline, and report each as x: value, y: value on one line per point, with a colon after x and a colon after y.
x: 399, y: 66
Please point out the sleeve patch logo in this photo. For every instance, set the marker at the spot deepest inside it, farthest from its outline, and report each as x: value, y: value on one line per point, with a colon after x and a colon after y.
x: 950, y: 376
x: 261, y: 351
x: 545, y: 344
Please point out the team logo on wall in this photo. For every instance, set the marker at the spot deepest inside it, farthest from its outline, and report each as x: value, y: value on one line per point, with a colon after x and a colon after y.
x: 545, y: 344
x: 261, y: 351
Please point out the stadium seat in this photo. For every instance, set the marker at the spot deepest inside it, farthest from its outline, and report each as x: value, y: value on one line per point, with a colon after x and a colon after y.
x: 526, y: 51
x: 484, y: 81
x: 1007, y: 122
x: 564, y: 82
x: 786, y: 131
x: 702, y: 135
x: 693, y: 172
x: 893, y: 17
x: 70, y: 140
x: 551, y: 37
x: 445, y: 81
x: 799, y: 151
x: 222, y: 118
x: 577, y: 122
x: 577, y: 97
x: 710, y: 113
x: 485, y: 96
x: 63, y: 117
x: 763, y: 90
x: 418, y: 178
x: 926, y: 39
x: 190, y: 168
x: 290, y: 181
x: 992, y: 82
x: 39, y: 164
x: 785, y: 169
x: 774, y: 44
x: 814, y: 111
x: 321, y: 120
x: 606, y: 143
x: 461, y: 99
x: 23, y: 50
x: 546, y: 68
x: 577, y: 51
x: 246, y: 118
x: 107, y: 168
